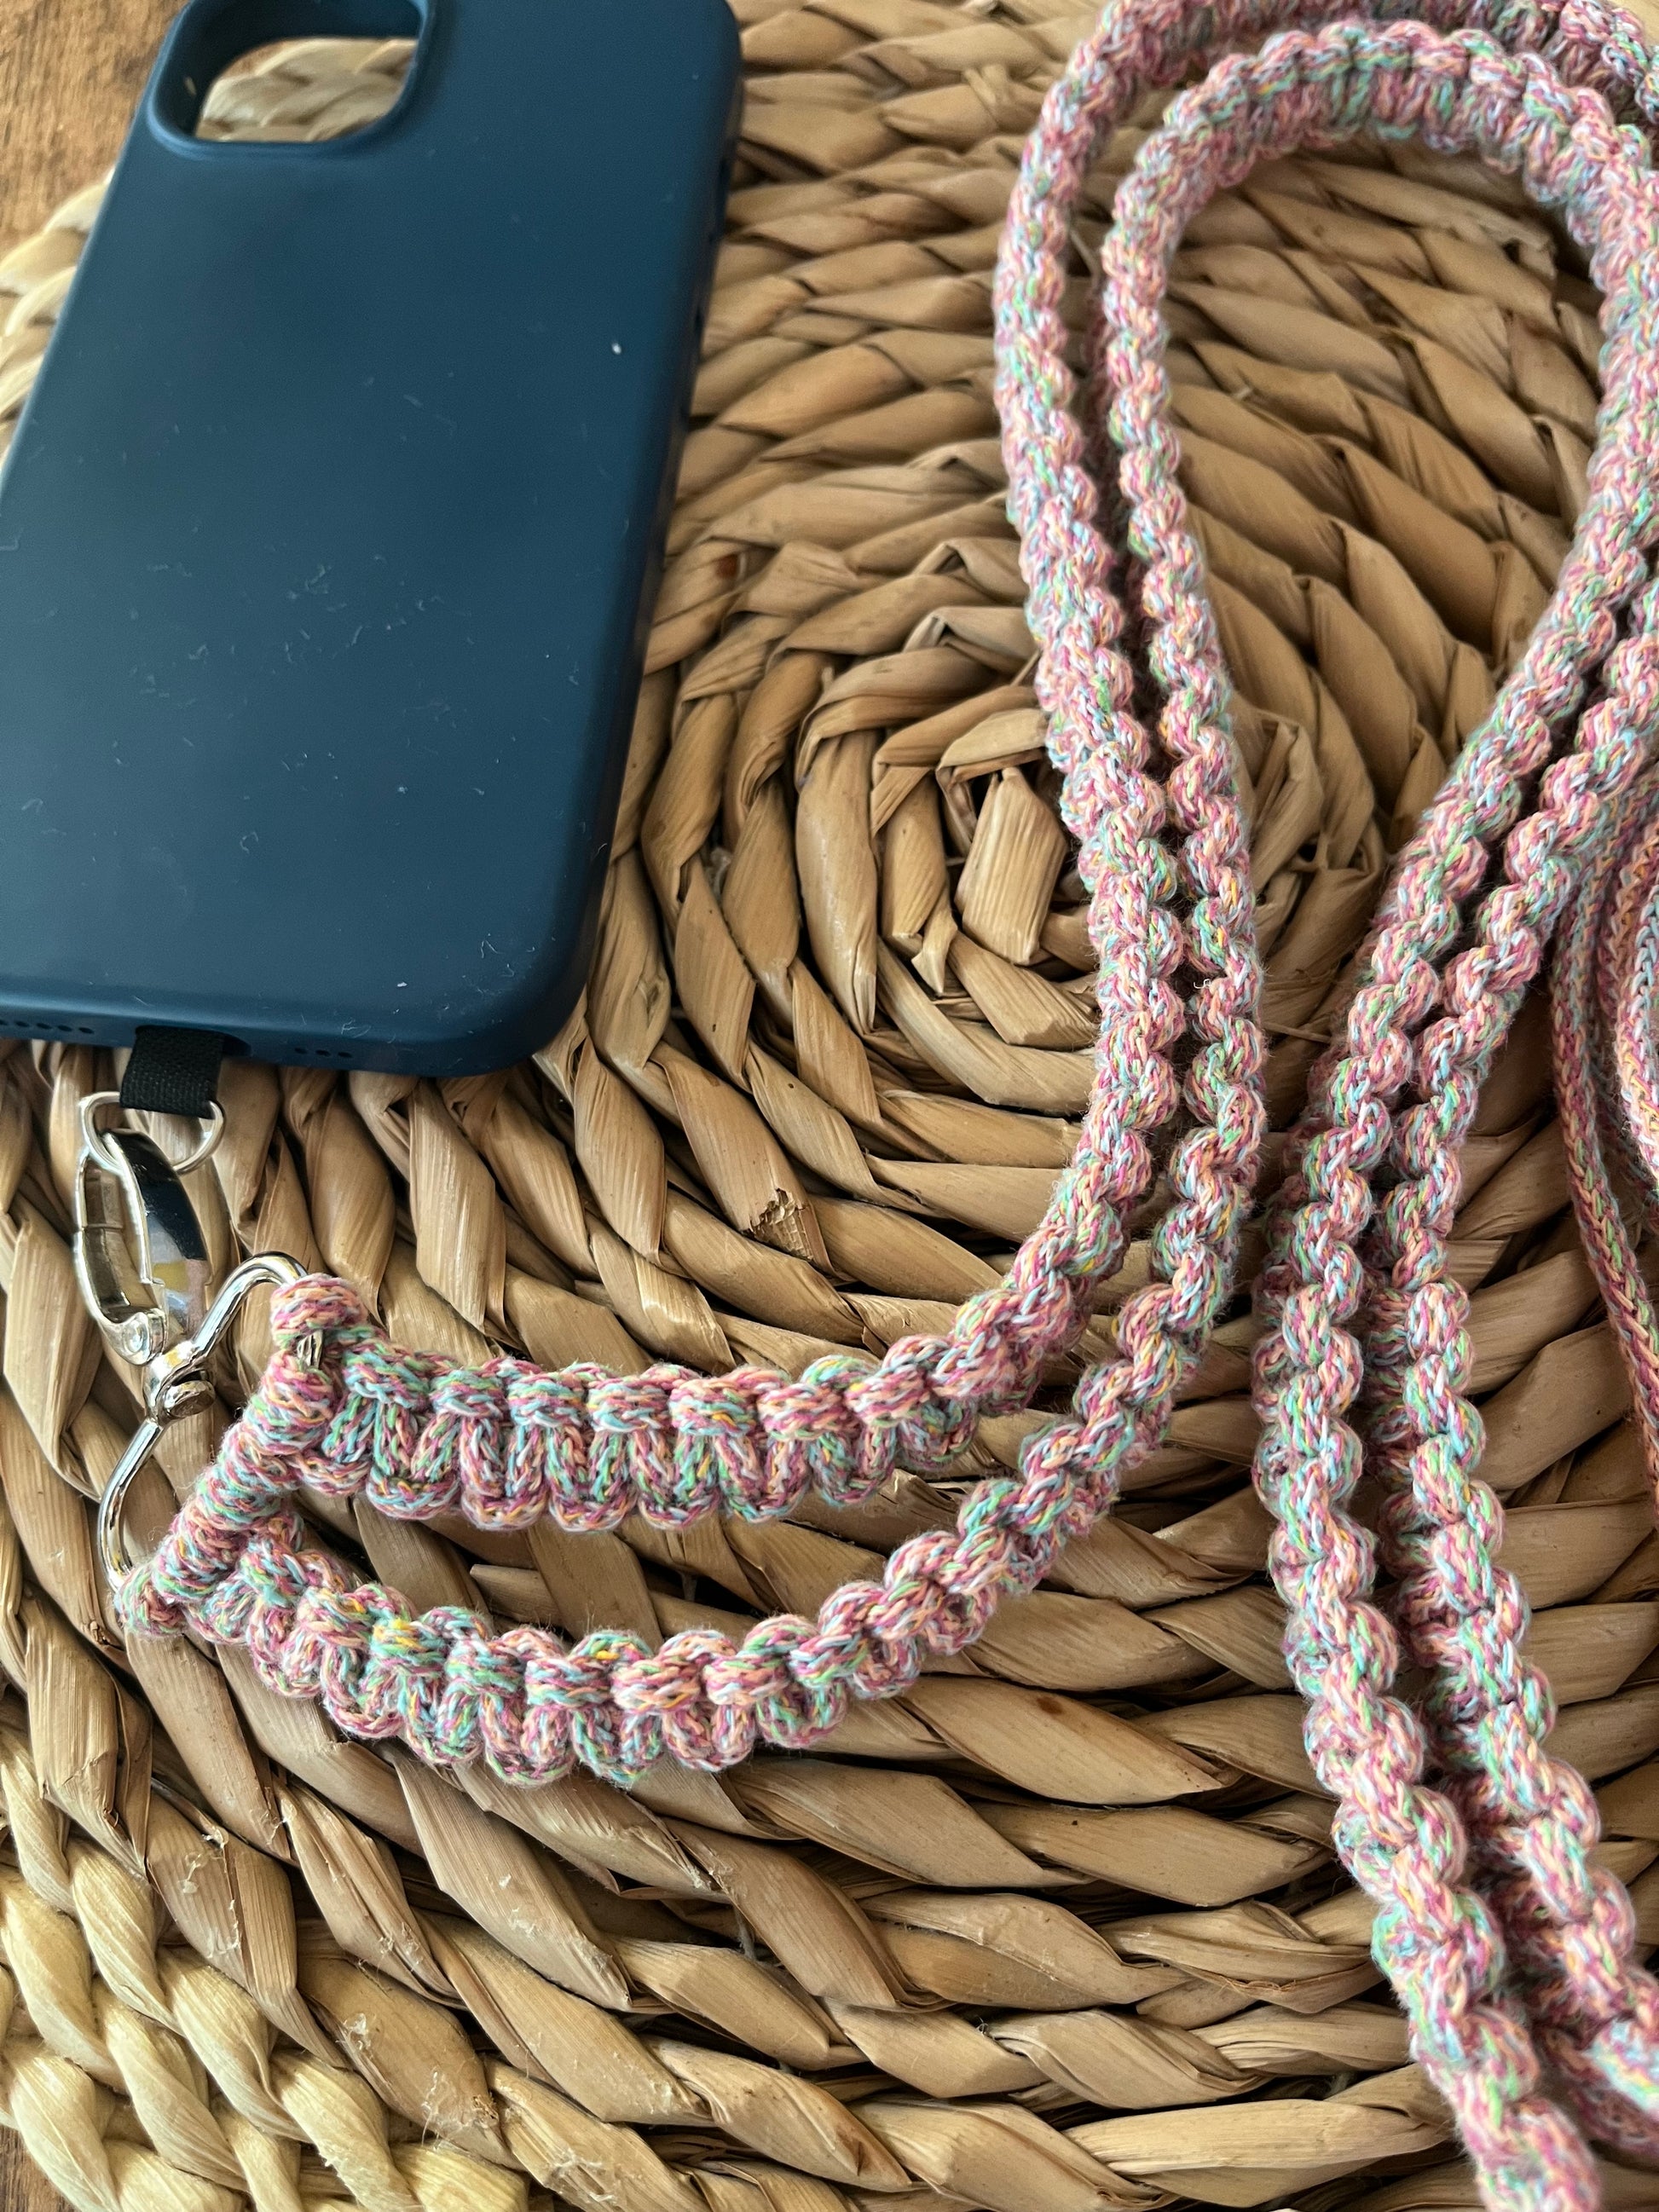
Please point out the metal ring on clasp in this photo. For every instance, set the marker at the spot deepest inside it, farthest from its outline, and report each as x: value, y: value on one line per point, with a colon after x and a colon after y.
x: 93, y: 1137
x: 176, y: 1380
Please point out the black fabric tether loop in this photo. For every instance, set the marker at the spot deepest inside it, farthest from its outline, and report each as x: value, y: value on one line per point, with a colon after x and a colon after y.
x: 172, y: 1071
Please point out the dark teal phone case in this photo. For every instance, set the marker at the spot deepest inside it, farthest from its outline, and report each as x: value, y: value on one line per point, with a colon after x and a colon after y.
x: 330, y: 534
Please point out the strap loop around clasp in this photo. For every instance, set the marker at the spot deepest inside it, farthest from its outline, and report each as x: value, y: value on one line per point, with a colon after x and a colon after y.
x: 174, y: 1381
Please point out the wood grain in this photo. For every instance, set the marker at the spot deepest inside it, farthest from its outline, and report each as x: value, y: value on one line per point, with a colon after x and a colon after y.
x: 23, y: 2187
x: 70, y: 73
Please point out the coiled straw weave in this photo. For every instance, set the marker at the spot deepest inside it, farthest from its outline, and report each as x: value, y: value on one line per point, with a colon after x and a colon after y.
x: 1060, y: 1923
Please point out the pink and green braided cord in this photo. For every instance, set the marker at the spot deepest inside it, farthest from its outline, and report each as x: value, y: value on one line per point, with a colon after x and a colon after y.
x: 1511, y: 1954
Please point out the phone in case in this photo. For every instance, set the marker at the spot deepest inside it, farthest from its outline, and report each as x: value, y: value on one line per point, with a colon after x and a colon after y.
x: 330, y: 534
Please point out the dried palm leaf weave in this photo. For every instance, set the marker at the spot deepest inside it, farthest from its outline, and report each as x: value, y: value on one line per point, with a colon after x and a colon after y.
x: 1061, y: 1925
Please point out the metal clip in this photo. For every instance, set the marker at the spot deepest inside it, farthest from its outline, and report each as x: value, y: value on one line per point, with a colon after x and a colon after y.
x: 174, y: 1381
x: 142, y: 1262
x: 140, y: 1257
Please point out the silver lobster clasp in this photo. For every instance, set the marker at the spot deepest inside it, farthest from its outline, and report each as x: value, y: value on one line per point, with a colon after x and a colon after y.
x: 175, y: 1380
x: 140, y: 1257
x: 143, y: 1266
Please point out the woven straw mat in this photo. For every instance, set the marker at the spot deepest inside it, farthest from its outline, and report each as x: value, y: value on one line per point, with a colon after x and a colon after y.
x: 1059, y: 1929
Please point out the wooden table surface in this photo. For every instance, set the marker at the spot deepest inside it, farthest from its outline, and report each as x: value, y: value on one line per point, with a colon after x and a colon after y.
x: 71, y: 71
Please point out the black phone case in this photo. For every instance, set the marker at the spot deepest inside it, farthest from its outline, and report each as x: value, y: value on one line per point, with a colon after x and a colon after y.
x: 331, y: 530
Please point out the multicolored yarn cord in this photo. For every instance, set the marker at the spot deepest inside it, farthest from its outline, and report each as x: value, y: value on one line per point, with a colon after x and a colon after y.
x: 1509, y: 1949
x: 1510, y: 1953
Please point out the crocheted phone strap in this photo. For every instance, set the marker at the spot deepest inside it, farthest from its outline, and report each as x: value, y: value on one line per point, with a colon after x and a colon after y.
x: 1567, y: 1929
x: 1538, y: 1959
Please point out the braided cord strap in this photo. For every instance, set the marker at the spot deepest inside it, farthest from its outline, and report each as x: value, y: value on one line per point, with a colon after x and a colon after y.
x: 1568, y: 1927
x: 1534, y: 1820
x: 1509, y: 1950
